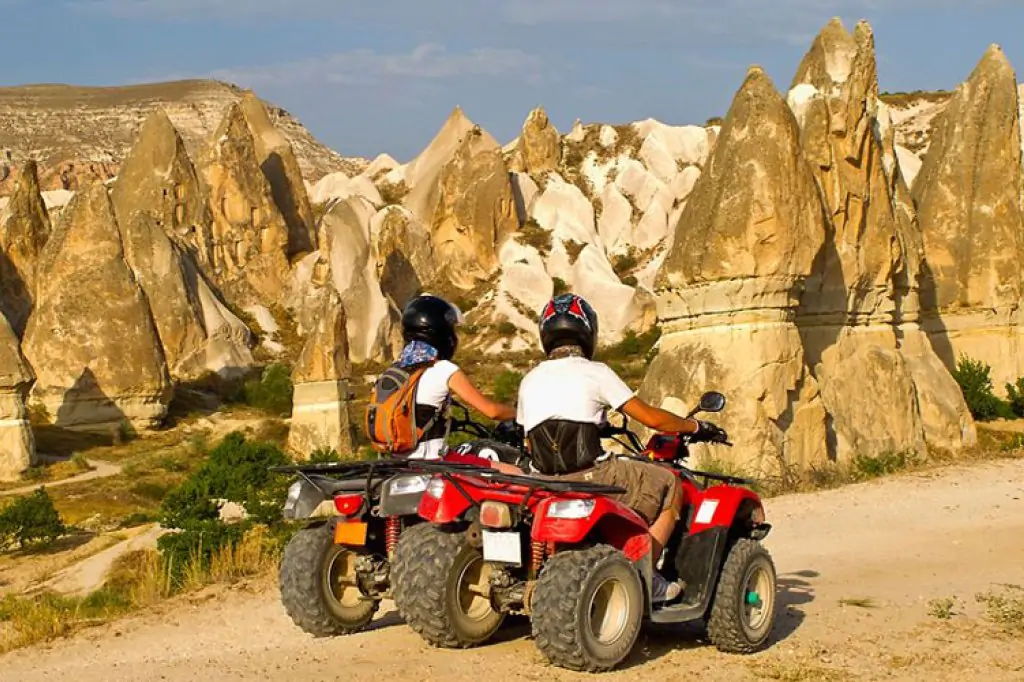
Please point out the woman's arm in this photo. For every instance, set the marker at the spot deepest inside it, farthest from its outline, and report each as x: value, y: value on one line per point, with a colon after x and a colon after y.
x: 464, y: 389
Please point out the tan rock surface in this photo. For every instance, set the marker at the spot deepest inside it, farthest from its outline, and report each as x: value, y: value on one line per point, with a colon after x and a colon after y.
x: 320, y: 416
x: 540, y: 145
x: 402, y: 254
x: 91, y: 339
x: 970, y: 216
x: 157, y: 194
x: 281, y: 168
x: 247, y: 253
x: 79, y: 133
x: 730, y: 286
x: 17, y: 444
x: 475, y: 212
x: 24, y: 229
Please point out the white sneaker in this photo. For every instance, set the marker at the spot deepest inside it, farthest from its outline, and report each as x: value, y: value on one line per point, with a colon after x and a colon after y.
x: 662, y: 590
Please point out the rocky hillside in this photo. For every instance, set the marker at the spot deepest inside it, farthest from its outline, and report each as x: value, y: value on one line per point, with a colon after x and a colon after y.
x: 78, y: 132
x: 823, y: 255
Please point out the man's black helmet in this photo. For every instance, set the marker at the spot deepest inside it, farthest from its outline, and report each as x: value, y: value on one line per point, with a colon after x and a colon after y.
x: 568, y: 320
x: 433, y: 320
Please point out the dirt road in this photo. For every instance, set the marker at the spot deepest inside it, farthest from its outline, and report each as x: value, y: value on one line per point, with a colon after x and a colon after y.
x: 857, y: 566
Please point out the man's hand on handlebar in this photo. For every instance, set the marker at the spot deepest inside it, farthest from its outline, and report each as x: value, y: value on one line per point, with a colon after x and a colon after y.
x: 709, y: 433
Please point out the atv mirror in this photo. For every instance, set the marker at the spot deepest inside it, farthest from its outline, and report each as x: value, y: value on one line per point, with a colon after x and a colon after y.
x: 712, y: 401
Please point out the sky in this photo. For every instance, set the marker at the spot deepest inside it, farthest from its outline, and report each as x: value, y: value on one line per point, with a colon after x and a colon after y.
x: 372, y: 76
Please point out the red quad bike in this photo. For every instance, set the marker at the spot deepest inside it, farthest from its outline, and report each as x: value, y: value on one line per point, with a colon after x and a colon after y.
x: 336, y: 569
x: 579, y: 563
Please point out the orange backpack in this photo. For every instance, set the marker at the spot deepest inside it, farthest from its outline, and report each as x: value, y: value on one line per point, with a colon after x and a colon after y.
x: 391, y: 415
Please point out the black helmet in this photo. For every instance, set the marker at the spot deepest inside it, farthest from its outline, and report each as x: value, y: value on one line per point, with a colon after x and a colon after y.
x: 433, y: 320
x: 568, y: 320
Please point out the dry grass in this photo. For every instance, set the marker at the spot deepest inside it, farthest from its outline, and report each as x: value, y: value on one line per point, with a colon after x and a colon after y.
x: 137, y: 580
x: 1004, y: 608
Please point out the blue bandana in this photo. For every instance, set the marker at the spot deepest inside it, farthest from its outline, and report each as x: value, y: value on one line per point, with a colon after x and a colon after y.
x: 417, y: 352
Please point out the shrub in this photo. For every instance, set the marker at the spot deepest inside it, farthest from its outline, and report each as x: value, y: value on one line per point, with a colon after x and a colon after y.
x: 560, y: 286
x: 633, y: 346
x: 506, y: 386
x: 393, y: 192
x: 1016, y: 393
x: 506, y: 328
x: 236, y: 470
x: 624, y: 264
x: 976, y: 384
x: 532, y: 234
x: 30, y: 520
x: 324, y: 455
x: 272, y: 392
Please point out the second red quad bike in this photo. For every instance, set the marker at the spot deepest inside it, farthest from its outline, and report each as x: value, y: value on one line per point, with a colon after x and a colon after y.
x: 579, y: 563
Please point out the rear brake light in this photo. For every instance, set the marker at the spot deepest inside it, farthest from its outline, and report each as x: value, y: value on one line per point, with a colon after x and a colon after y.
x: 495, y: 515
x: 348, y: 505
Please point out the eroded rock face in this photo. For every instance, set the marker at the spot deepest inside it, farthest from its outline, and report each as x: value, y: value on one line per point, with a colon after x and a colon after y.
x: 320, y: 417
x: 246, y: 253
x: 730, y: 286
x: 346, y: 231
x: 402, y: 254
x: 968, y: 197
x: 17, y: 444
x: 540, y: 146
x: 281, y: 168
x: 24, y: 230
x: 157, y: 194
x: 475, y: 212
x: 91, y: 338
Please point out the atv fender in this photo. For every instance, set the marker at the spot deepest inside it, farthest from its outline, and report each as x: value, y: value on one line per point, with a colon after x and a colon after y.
x: 609, y: 521
x: 726, y: 506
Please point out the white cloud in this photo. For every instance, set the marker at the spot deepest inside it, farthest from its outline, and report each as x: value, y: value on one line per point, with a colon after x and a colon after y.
x: 371, y: 69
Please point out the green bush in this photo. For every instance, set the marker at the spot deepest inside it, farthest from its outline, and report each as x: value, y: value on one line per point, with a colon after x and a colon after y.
x: 29, y: 521
x: 976, y: 385
x: 1016, y: 393
x: 272, y: 392
x: 193, y: 549
x: 324, y: 455
x: 560, y: 286
x: 506, y: 328
x: 633, y: 346
x: 236, y: 470
x: 506, y: 386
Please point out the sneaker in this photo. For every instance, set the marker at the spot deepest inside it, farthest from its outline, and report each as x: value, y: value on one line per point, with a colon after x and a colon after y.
x: 662, y: 590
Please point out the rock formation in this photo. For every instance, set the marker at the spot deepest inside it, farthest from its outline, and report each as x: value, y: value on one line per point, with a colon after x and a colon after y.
x: 968, y: 197
x: 17, y: 444
x: 320, y: 417
x: 156, y: 194
x: 281, y: 168
x: 848, y: 317
x: 24, y: 229
x: 402, y: 254
x: 346, y: 232
x: 91, y: 339
x: 540, y: 146
x: 729, y: 288
x: 246, y: 253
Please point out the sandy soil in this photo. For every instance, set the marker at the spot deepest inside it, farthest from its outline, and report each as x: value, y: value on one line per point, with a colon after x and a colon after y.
x: 889, y: 546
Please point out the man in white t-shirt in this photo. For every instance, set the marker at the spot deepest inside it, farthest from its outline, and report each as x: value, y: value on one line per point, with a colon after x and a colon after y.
x: 429, y: 331
x: 564, y: 400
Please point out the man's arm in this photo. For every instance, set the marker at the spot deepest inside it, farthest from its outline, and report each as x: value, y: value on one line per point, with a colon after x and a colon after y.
x: 464, y: 389
x: 657, y: 418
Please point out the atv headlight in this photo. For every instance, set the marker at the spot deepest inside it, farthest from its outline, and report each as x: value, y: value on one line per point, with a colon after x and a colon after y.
x: 407, y: 485
x: 570, y: 509
x: 294, y: 490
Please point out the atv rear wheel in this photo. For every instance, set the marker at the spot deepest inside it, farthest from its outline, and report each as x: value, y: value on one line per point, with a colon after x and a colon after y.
x: 743, y: 610
x: 318, y: 586
x: 587, y: 609
x: 441, y: 589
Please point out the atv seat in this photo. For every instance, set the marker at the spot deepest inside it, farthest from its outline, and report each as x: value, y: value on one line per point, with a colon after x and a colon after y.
x: 333, y: 486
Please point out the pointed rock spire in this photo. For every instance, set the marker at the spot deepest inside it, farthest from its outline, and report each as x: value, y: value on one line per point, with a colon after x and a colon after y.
x: 24, y: 231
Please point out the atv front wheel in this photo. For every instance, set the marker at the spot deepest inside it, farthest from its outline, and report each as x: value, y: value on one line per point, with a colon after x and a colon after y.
x: 318, y: 585
x: 743, y: 610
x: 587, y: 609
x: 441, y: 589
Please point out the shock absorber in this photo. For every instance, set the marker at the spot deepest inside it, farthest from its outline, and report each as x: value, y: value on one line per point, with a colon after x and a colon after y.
x: 392, y: 529
x: 537, y: 551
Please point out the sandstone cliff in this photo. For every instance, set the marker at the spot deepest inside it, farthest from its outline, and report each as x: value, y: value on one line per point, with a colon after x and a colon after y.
x: 24, y: 230
x: 17, y: 444
x: 83, y: 133
x: 91, y: 339
x: 971, y: 217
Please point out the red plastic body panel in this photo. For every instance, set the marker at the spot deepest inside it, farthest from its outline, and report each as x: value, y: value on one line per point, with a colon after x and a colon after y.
x: 726, y: 501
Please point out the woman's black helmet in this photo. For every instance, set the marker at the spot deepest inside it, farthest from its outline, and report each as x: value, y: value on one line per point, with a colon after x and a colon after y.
x: 568, y: 320
x: 433, y: 320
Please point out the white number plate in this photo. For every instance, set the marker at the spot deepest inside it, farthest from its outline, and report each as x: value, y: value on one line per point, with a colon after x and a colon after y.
x: 503, y: 547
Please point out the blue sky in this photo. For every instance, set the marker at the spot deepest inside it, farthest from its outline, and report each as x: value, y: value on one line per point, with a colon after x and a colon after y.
x: 368, y: 76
